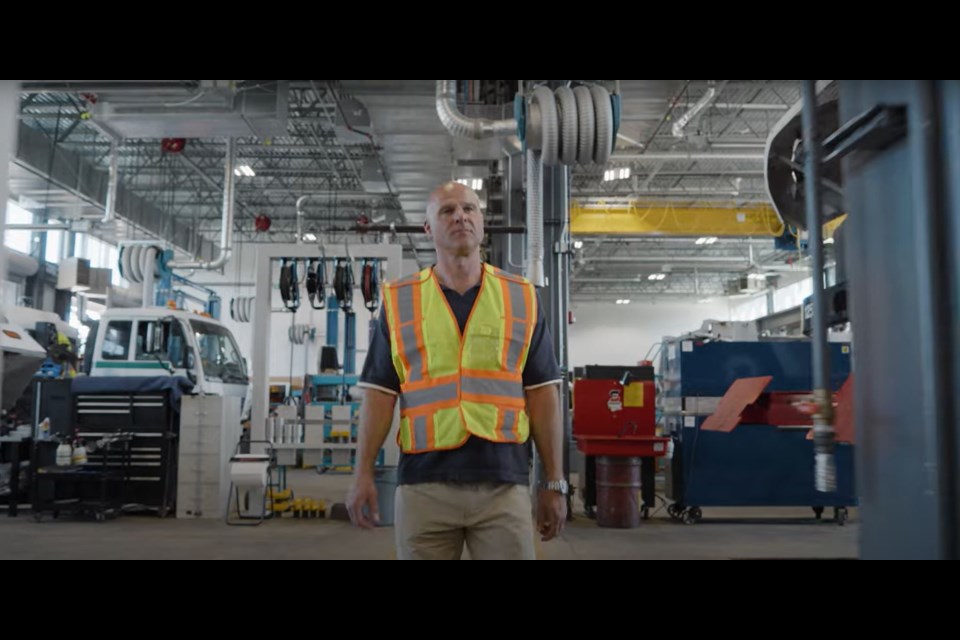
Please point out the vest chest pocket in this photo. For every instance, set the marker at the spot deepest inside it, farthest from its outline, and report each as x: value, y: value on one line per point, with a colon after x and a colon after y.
x: 484, y: 344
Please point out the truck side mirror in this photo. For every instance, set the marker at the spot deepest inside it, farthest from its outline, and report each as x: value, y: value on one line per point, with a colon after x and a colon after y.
x: 191, y: 365
x: 154, y: 342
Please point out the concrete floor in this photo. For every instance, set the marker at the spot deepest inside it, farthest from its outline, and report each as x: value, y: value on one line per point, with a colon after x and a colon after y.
x: 724, y: 534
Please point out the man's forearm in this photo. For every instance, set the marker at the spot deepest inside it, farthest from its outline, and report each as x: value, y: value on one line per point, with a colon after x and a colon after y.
x: 376, y: 417
x: 546, y: 426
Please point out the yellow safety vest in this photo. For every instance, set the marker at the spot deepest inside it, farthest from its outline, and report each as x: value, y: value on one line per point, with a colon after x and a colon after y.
x: 452, y: 385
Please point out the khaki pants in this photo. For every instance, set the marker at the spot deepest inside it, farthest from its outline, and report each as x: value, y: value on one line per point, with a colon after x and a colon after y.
x: 433, y: 521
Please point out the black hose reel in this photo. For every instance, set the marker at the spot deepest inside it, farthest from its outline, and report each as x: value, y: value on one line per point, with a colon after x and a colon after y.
x: 289, y: 285
x: 343, y: 284
x: 317, y: 283
x: 370, y: 284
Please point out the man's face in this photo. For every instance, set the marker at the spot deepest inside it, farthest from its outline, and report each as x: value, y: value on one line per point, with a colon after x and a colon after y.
x: 454, y: 220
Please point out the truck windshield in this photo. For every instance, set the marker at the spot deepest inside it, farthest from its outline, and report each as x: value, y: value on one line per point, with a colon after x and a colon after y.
x: 219, y: 353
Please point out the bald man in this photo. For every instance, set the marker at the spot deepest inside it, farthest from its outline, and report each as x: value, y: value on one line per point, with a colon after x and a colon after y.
x: 465, y: 349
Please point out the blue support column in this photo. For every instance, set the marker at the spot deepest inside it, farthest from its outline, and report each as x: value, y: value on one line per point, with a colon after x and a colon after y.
x: 333, y: 334
x: 350, y: 343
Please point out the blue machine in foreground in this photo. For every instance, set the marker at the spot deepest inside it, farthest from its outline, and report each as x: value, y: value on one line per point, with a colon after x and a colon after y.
x: 754, y: 464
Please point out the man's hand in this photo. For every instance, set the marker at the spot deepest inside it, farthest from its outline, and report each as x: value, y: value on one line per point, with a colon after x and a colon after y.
x: 376, y: 415
x: 551, y: 513
x: 363, y: 493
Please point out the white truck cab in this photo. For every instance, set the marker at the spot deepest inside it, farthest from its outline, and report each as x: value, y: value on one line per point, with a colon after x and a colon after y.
x: 157, y: 341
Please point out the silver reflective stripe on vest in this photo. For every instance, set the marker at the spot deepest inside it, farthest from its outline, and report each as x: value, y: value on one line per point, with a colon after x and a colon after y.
x: 412, y: 353
x: 441, y: 393
x: 405, y: 316
x: 405, y: 304
x: 420, y: 432
x: 510, y: 425
x: 518, y: 334
x: 489, y: 387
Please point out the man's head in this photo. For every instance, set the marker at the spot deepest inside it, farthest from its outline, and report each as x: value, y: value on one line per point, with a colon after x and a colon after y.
x: 454, y: 221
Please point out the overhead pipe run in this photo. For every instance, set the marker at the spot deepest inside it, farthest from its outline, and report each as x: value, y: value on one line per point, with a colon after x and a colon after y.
x: 412, y: 228
x: 557, y: 127
x: 110, y: 209
x: 113, y: 182
x: 680, y: 156
x: 226, y: 231
x: 462, y: 126
x: 38, y: 227
x: 300, y: 215
x: 343, y: 195
x: 694, y: 111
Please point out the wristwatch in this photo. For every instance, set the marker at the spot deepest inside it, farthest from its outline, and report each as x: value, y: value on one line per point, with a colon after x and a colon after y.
x: 560, y: 486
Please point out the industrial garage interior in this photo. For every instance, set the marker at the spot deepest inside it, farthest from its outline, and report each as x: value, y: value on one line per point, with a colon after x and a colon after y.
x: 710, y: 319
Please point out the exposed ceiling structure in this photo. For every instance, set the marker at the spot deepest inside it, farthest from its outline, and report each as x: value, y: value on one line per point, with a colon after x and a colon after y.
x: 370, y: 151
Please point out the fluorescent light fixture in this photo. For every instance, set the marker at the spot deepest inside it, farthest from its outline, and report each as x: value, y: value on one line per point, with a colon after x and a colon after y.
x: 474, y: 183
x: 244, y: 170
x: 616, y: 174
x: 309, y: 237
x: 578, y: 244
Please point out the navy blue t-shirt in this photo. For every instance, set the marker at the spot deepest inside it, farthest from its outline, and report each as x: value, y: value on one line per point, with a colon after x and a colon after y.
x: 477, y: 460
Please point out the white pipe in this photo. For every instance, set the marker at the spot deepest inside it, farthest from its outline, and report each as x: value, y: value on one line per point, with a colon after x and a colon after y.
x: 535, y: 219
x: 738, y: 145
x: 752, y: 106
x: 660, y: 157
x: 226, y: 232
x: 460, y: 125
x: 700, y: 105
x: 300, y: 202
x: 38, y: 227
x: 669, y: 260
x: 20, y: 264
x: 148, y: 277
x: 110, y: 209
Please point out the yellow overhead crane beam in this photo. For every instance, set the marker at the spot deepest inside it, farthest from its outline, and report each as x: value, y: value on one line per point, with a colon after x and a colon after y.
x: 661, y: 219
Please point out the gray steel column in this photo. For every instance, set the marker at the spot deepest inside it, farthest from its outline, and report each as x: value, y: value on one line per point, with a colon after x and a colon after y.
x: 9, y: 93
x: 902, y: 260
x: 556, y: 295
x: 823, y: 435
